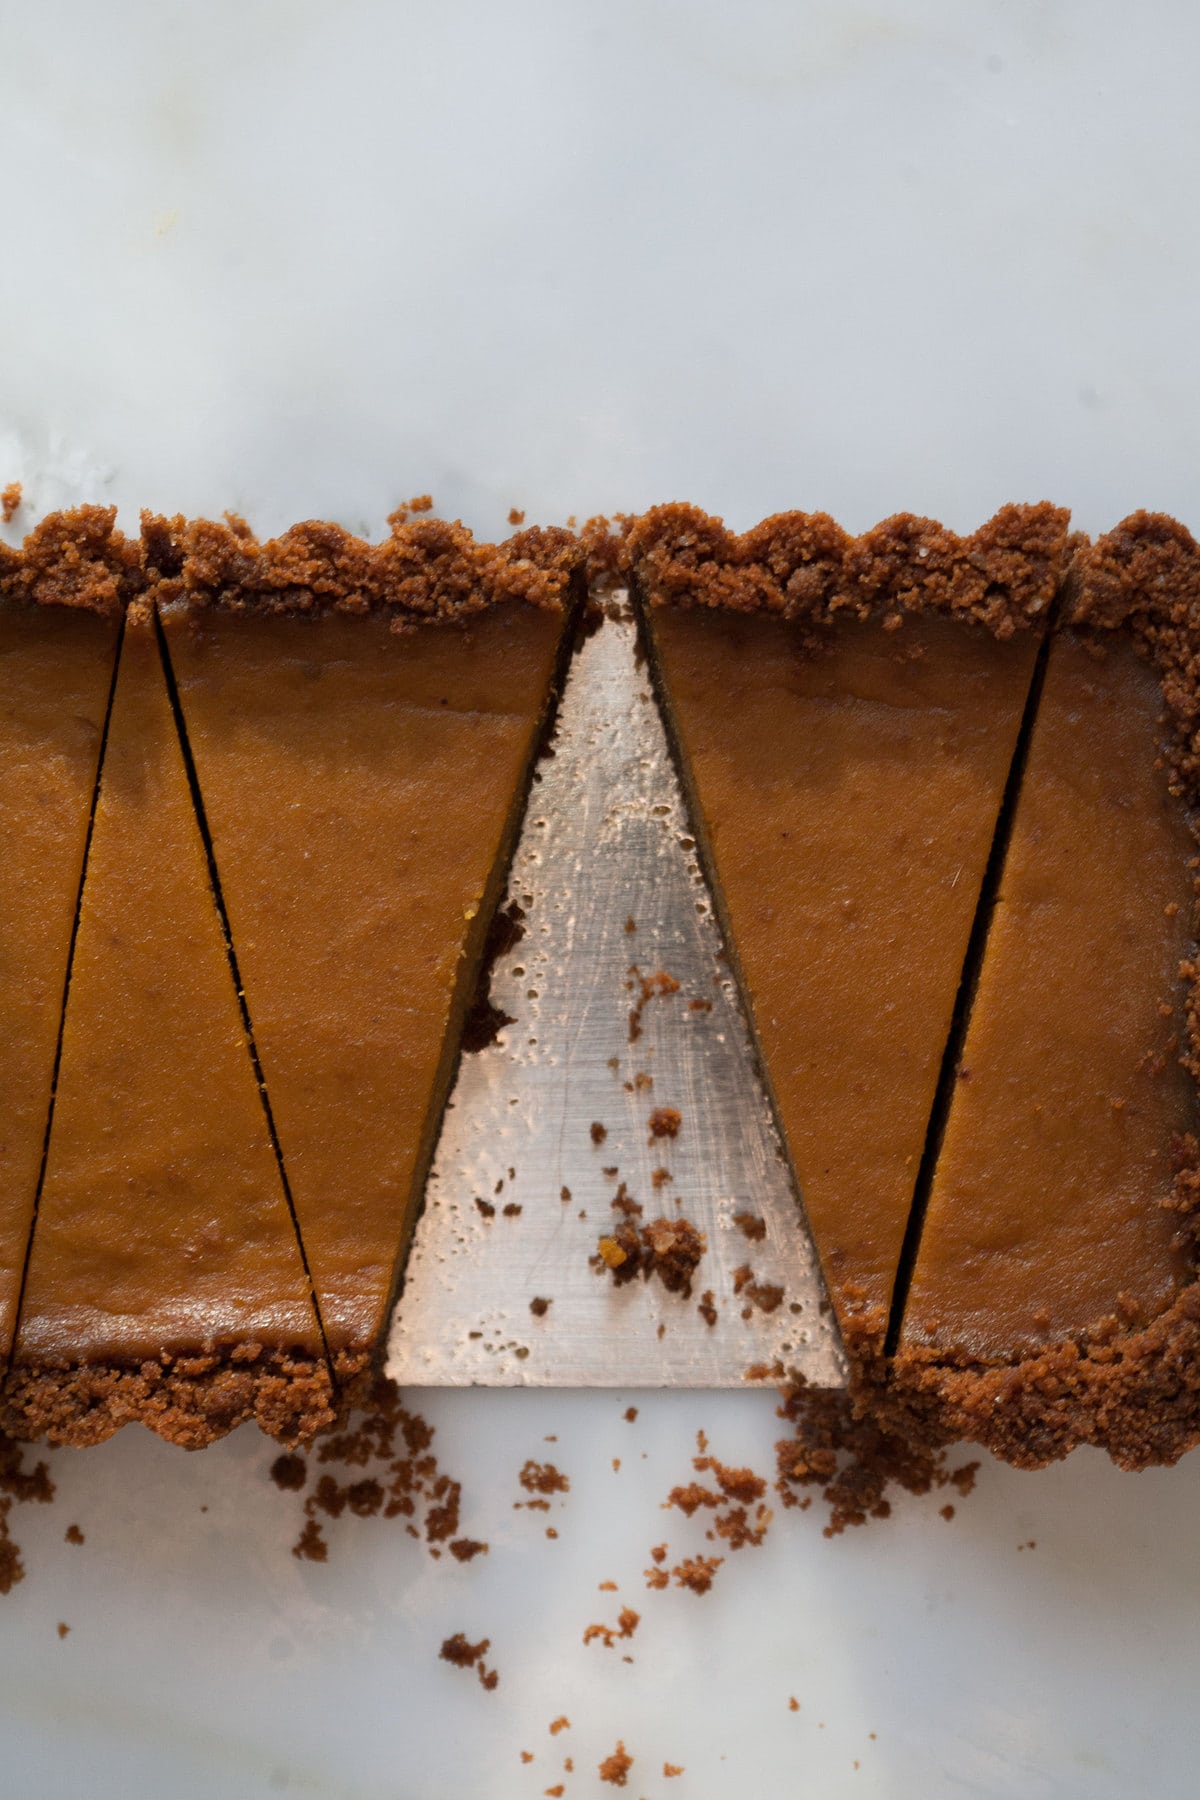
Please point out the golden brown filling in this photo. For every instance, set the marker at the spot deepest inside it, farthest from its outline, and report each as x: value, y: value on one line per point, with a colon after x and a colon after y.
x: 1046, y: 1214
x: 163, y: 1224
x: 848, y: 794
x: 55, y: 673
x: 360, y: 787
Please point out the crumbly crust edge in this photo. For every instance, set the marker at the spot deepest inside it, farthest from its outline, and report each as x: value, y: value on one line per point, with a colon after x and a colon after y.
x: 804, y: 566
x: 425, y: 570
x: 74, y: 559
x: 189, y: 1400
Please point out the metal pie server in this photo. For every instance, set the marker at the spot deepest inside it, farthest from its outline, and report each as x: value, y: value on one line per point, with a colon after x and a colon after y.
x: 575, y: 1103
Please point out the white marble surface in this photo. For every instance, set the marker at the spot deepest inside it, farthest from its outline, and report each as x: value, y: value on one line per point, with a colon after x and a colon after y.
x: 300, y: 258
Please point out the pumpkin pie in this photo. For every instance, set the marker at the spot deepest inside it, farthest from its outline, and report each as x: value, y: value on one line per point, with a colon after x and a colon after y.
x: 165, y: 1279
x: 62, y: 597
x: 1054, y: 1298
x: 845, y: 713
x: 363, y: 721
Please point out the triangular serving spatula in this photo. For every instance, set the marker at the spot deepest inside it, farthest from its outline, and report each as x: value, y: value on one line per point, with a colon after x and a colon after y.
x: 625, y: 1074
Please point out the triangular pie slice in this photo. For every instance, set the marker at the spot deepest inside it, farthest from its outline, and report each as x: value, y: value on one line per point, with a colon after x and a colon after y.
x: 165, y: 1280
x: 1057, y: 1265
x: 363, y: 720
x: 845, y: 712
x: 62, y: 597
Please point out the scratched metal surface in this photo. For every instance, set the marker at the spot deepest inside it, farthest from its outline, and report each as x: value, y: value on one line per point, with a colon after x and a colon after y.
x: 520, y: 1192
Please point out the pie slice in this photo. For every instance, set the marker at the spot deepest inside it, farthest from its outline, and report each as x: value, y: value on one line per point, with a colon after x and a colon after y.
x: 165, y: 1280
x: 845, y: 713
x: 1057, y: 1263
x: 363, y: 721
x: 61, y: 601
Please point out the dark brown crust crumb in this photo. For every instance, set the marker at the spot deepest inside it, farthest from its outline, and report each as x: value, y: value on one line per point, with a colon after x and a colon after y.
x: 461, y: 1654
x: 427, y: 569
x: 311, y: 1545
x: 627, y: 1623
x: 19, y: 1486
x: 76, y: 558
x: 467, y: 1549
x: 12, y: 1568
x: 671, y: 1249
x: 615, y: 1768
x: 804, y: 566
x: 188, y: 1400
x: 289, y: 1472
x: 1132, y: 1391
x: 543, y: 1478
x: 677, y: 1247
x: 696, y: 1573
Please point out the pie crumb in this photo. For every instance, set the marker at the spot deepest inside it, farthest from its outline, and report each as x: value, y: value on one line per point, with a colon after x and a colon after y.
x: 615, y: 1768
x: 461, y: 1654
x: 696, y: 1572
x: 289, y: 1472
x: 311, y: 1545
x: 466, y: 1549
x: 543, y: 1478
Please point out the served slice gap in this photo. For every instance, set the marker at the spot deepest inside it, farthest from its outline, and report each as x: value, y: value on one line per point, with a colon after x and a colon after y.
x: 845, y: 713
x: 363, y: 721
x: 164, y: 1282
